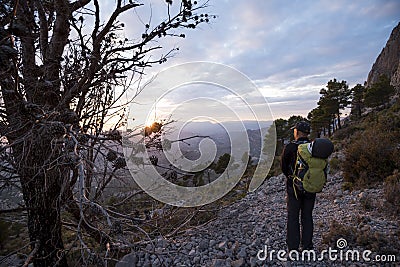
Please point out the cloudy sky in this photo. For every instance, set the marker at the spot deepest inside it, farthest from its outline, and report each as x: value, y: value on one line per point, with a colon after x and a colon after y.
x: 289, y: 49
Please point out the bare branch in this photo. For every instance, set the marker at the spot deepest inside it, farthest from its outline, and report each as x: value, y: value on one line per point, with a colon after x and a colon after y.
x: 78, y: 4
x: 32, y: 254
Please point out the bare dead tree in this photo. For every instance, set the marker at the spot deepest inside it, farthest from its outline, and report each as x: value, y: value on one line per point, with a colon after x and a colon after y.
x: 61, y: 81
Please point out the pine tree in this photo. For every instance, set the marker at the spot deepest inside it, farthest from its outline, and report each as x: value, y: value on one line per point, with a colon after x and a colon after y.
x: 357, y: 102
x: 379, y: 93
x: 335, y: 98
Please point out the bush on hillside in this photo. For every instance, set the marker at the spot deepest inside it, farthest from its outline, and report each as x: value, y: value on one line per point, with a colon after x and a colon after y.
x: 367, y: 238
x: 374, y: 150
x: 345, y: 132
x: 369, y: 158
x: 337, y: 231
x: 275, y: 168
x: 392, y: 192
x: 335, y: 164
x: 379, y: 93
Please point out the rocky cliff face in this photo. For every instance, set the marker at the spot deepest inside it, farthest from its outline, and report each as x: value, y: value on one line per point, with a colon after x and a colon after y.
x: 388, y: 61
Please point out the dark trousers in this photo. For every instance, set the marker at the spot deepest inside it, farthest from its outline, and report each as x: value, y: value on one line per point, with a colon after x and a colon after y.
x: 302, y: 205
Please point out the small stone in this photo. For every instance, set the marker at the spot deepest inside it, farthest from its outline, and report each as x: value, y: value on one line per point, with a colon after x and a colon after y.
x: 238, y: 263
x: 218, y: 263
x: 192, y: 252
x: 130, y: 259
x: 162, y: 243
x: 365, y: 228
x: 253, y: 261
x: 212, y: 243
x: 242, y: 253
x: 339, y: 193
x: 229, y: 253
x: 156, y: 262
x: 160, y: 250
x: 220, y: 254
x: 188, y: 246
x: 167, y: 262
x: 235, y: 246
x: 203, y: 245
x: 222, y: 245
x: 256, y: 243
x: 196, y: 260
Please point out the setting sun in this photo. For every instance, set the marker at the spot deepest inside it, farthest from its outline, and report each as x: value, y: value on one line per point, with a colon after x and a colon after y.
x: 149, y: 123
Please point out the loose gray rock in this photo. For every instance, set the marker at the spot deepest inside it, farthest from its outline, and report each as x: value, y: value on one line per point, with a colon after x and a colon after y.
x: 129, y: 260
x: 218, y: 263
x: 259, y: 219
x: 192, y: 252
x: 203, y: 245
x: 238, y: 263
x: 242, y: 253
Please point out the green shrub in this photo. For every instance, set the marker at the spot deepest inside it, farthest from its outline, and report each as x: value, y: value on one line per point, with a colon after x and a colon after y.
x: 275, y: 168
x: 392, y: 192
x: 373, y: 152
x: 369, y: 157
x: 347, y: 186
x: 345, y: 132
x: 367, y: 203
x: 335, y: 164
x: 337, y: 231
x: 222, y: 163
x: 367, y: 238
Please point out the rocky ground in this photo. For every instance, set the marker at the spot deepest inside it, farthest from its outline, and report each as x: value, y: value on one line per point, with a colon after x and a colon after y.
x: 259, y: 219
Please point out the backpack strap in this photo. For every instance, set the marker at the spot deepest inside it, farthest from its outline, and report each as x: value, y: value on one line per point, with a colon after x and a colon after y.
x: 295, y: 186
x: 294, y: 176
x: 296, y: 179
x: 297, y: 142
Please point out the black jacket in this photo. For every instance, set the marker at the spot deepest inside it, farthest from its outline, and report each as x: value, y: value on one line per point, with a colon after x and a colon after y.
x: 288, y: 159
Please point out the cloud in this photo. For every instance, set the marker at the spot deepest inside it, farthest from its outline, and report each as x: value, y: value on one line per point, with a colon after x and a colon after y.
x: 290, y: 49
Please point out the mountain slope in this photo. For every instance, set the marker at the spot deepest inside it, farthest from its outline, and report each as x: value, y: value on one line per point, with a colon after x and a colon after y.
x: 245, y: 227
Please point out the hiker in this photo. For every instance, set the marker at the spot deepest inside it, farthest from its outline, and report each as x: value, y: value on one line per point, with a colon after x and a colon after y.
x: 297, y: 200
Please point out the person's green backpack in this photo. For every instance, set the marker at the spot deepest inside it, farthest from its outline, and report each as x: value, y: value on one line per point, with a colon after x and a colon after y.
x: 311, y: 168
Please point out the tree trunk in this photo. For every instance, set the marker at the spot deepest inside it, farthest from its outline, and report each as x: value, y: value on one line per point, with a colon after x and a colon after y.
x: 44, y: 223
x: 42, y: 181
x: 359, y: 111
x: 338, y: 121
x: 329, y: 131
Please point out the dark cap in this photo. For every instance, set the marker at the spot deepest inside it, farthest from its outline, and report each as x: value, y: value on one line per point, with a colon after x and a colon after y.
x: 302, y: 126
